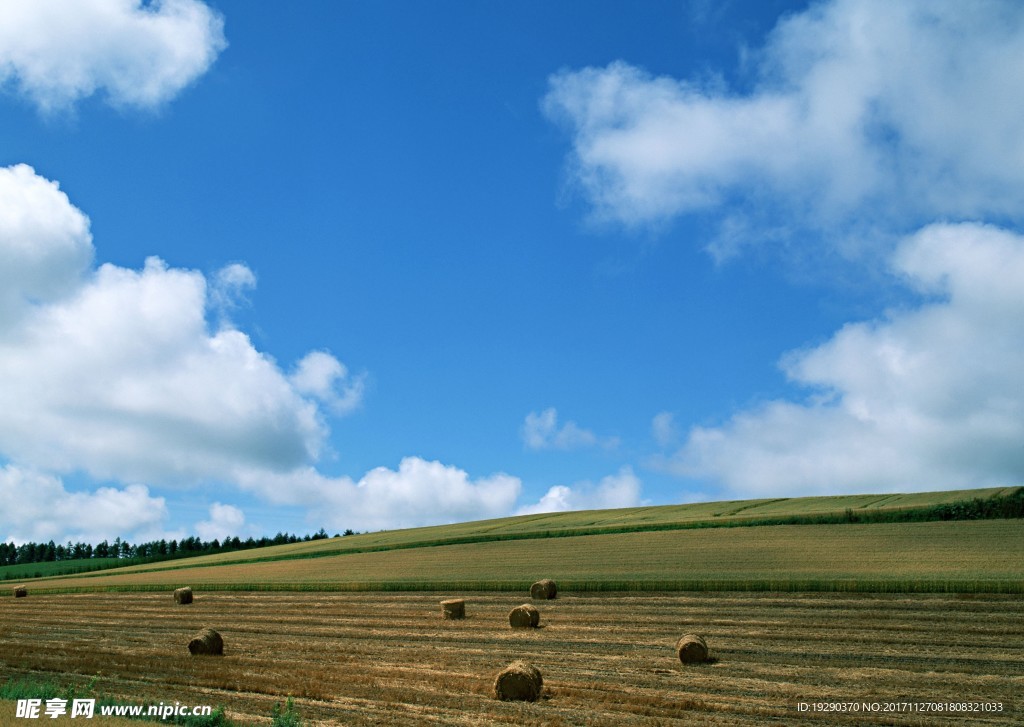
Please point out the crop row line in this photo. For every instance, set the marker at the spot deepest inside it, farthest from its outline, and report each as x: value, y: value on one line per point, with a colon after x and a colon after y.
x: 785, y: 585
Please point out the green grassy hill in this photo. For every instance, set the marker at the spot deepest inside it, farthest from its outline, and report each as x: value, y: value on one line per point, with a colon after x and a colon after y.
x: 922, y: 541
x: 736, y: 513
x: 60, y: 567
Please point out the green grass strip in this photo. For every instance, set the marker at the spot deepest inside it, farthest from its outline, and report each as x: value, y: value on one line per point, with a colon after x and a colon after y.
x: 776, y: 584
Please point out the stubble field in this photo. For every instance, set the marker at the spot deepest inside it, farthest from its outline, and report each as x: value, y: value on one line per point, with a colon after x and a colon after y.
x: 607, y: 659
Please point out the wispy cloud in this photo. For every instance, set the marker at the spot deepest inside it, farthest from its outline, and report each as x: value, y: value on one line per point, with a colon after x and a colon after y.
x: 229, y: 289
x: 322, y: 376
x: 541, y: 431
x: 57, y: 52
x: 664, y: 429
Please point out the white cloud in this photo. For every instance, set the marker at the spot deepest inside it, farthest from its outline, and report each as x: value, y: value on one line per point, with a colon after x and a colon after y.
x: 57, y: 52
x: 419, y: 492
x: 116, y: 373
x: 225, y: 521
x: 614, y: 491
x: 541, y: 431
x: 35, y: 507
x: 863, y: 114
x: 924, y: 398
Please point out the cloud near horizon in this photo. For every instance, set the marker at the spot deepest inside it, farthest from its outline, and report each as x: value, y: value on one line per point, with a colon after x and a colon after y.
x: 924, y: 398
x: 225, y: 521
x: 116, y: 373
x: 865, y: 117
x: 419, y: 492
x: 614, y: 491
x: 36, y: 507
x: 57, y: 52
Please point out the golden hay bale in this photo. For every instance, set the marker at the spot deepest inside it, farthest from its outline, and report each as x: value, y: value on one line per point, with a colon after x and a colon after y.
x: 183, y: 595
x: 454, y: 608
x: 20, y: 591
x: 692, y: 649
x: 544, y: 589
x: 206, y: 642
x: 518, y: 681
x: 525, y: 616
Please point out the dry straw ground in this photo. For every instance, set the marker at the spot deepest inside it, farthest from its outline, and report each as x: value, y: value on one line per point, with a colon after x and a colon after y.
x: 606, y: 659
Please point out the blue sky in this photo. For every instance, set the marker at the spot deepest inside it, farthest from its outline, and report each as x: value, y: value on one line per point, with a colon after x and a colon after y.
x: 377, y: 265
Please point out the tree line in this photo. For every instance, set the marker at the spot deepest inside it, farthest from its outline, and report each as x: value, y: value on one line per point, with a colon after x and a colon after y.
x: 11, y: 554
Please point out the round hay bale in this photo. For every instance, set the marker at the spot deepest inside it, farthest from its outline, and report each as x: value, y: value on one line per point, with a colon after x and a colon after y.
x: 453, y: 609
x: 524, y: 617
x: 183, y: 595
x: 544, y: 589
x: 206, y: 642
x: 20, y: 592
x: 518, y: 681
x: 692, y: 649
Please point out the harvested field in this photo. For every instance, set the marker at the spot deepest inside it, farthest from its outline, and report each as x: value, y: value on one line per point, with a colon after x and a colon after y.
x: 399, y: 664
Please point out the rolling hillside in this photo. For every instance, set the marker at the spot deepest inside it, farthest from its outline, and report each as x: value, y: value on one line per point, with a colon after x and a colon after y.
x: 744, y: 545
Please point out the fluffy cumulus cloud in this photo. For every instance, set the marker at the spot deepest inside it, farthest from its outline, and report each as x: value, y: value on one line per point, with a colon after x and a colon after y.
x: 45, y: 244
x: 541, y: 431
x: 861, y: 114
x: 122, y: 378
x: 36, y: 507
x: 116, y: 373
x: 419, y: 492
x: 928, y: 397
x: 619, y: 490
x: 135, y: 53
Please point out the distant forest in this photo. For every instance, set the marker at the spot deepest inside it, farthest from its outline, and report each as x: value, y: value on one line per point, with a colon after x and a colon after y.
x: 11, y: 554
